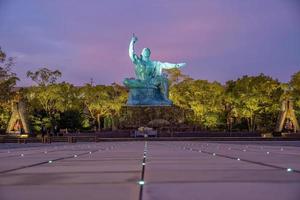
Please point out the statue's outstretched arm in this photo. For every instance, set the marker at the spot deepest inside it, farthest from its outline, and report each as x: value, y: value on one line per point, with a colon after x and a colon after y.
x: 166, y: 65
x: 132, y: 54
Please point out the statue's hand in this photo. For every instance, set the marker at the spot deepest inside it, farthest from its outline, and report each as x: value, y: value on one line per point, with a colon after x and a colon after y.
x: 134, y: 39
x: 180, y: 65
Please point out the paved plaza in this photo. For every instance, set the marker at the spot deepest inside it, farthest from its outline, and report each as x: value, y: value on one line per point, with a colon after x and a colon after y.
x: 151, y: 170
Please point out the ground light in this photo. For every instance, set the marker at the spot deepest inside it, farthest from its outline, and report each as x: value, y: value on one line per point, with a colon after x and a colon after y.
x: 50, y: 161
x: 141, y: 182
x: 238, y: 159
x: 75, y: 156
x: 289, y: 169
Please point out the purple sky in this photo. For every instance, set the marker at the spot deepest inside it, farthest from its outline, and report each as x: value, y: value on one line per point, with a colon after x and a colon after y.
x: 219, y: 40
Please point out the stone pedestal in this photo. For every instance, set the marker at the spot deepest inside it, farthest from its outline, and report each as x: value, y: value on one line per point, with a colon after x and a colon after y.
x: 146, y: 96
x: 138, y: 116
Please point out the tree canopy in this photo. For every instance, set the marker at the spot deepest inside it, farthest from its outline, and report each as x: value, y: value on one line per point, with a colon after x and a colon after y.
x: 8, y: 80
x: 248, y: 103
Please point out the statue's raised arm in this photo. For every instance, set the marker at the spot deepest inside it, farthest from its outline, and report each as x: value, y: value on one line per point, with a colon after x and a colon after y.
x: 132, y: 54
x: 150, y: 87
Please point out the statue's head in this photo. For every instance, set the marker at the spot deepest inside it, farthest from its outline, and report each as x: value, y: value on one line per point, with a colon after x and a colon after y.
x: 146, y: 53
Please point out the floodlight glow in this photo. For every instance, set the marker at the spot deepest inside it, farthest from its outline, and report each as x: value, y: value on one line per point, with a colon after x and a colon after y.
x: 268, y: 152
x: 50, y: 161
x: 244, y: 150
x: 22, y: 155
x: 75, y: 156
x: 238, y: 159
x: 214, y: 154
x: 45, y: 152
x: 144, y: 164
x: 90, y: 152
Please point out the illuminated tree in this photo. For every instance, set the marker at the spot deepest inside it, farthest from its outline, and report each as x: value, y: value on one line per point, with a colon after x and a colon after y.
x: 201, y: 99
x: 295, y: 85
x: 103, y: 101
x: 255, y: 99
x: 48, y: 103
x: 95, y: 99
x: 176, y: 76
x: 118, y: 97
x: 8, y: 80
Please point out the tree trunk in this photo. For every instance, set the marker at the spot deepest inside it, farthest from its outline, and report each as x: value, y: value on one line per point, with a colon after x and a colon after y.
x: 98, y: 122
x: 253, y: 124
x: 113, y: 124
x: 249, y: 124
x: 229, y: 123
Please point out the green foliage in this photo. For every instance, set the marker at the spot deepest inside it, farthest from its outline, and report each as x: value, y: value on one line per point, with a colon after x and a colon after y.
x: 4, y: 116
x: 44, y: 76
x: 8, y: 80
x: 102, y: 101
x: 71, y: 119
x: 175, y: 76
x: 250, y: 102
x: 253, y: 100
x: 201, y: 99
x: 256, y: 99
x: 53, y: 102
x: 295, y: 85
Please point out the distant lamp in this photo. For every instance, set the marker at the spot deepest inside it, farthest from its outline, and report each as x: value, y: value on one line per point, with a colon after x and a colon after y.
x: 289, y: 169
x: 141, y: 182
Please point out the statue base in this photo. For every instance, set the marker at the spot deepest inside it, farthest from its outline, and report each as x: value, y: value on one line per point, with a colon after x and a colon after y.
x: 147, y: 96
x: 133, y: 117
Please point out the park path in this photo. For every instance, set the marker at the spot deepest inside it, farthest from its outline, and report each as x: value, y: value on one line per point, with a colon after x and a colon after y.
x: 151, y: 170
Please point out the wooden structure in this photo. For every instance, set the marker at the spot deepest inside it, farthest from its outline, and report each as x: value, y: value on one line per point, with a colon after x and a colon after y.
x: 18, y: 123
x: 287, y: 121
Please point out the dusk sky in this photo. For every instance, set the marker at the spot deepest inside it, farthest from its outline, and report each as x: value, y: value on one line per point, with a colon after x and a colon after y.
x: 218, y: 39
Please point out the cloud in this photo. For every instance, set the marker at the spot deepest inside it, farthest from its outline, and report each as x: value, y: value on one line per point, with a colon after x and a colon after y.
x: 218, y: 40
